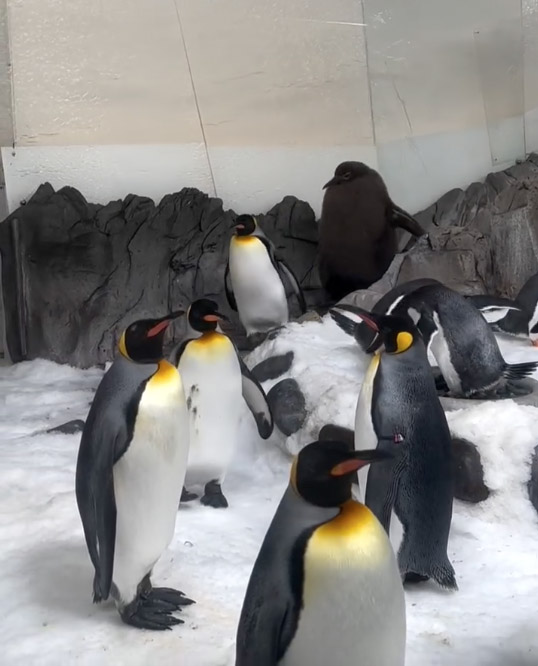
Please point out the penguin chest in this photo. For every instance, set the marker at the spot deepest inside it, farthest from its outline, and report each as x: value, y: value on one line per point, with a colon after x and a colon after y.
x: 149, y: 476
x: 365, y: 435
x: 258, y: 289
x: 213, y: 388
x: 353, y: 608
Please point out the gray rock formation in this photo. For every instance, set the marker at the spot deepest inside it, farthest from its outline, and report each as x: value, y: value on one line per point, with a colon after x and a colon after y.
x: 288, y: 406
x: 468, y: 474
x: 75, y: 274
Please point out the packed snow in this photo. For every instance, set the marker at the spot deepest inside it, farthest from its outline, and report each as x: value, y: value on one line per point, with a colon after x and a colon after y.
x: 46, y: 581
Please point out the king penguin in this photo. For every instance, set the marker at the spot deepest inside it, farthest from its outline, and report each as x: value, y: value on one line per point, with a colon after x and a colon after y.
x: 217, y: 383
x: 130, y: 468
x: 325, y: 588
x: 254, y: 279
x: 398, y: 396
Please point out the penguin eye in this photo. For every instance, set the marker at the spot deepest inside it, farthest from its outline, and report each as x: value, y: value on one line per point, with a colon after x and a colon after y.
x: 347, y: 175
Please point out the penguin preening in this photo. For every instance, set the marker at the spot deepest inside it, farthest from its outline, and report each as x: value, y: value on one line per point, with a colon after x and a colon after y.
x: 357, y: 235
x: 325, y: 588
x: 130, y: 469
x: 463, y: 344
x: 398, y: 396
x: 518, y: 317
x: 254, y: 279
x: 457, y: 335
x: 216, y: 382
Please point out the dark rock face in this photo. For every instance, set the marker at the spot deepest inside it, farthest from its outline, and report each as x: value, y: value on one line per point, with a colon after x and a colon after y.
x: 75, y: 274
x: 481, y: 240
x: 69, y: 428
x: 468, y: 474
x: 273, y: 367
x: 288, y: 406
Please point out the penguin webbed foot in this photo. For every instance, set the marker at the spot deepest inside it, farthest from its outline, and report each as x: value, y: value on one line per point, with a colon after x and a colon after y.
x: 169, y: 597
x: 213, y: 496
x: 143, y: 613
x: 187, y: 496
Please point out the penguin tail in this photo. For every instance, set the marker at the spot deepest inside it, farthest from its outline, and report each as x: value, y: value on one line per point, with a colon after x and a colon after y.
x: 519, y: 370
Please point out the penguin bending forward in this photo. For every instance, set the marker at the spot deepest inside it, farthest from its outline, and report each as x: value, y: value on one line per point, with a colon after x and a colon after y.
x: 254, y: 278
x: 398, y: 396
x: 216, y: 382
x: 325, y: 588
x: 130, y: 468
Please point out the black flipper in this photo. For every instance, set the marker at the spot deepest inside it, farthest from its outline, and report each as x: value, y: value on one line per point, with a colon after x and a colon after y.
x: 103, y: 442
x: 284, y: 271
x: 401, y: 218
x: 256, y: 400
x: 228, y: 288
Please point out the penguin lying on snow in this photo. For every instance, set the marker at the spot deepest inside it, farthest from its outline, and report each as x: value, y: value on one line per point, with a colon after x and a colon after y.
x: 518, y: 317
x: 130, y: 469
x: 461, y: 341
x: 325, y: 588
x: 398, y: 396
x: 216, y: 381
x: 254, y: 279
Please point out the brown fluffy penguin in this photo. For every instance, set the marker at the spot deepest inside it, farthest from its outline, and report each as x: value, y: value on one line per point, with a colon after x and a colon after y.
x: 358, y: 225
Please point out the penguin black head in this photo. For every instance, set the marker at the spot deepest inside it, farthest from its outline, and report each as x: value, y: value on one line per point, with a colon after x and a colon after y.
x: 322, y: 473
x: 395, y: 333
x: 347, y: 172
x: 142, y: 341
x: 204, y: 315
x: 245, y: 225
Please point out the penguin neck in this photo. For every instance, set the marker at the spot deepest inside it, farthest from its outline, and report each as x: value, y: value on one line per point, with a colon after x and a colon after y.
x: 209, y: 337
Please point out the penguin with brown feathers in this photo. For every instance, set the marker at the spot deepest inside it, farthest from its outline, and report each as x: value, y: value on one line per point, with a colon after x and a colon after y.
x: 357, y: 237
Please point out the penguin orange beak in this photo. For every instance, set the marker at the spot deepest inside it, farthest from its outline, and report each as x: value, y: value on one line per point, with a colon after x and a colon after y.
x: 164, y: 323
x: 215, y: 317
x: 367, y: 317
x: 360, y: 459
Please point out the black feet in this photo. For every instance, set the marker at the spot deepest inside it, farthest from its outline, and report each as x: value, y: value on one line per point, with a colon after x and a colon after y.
x: 412, y: 577
x: 186, y: 496
x: 213, y: 496
x: 153, y: 607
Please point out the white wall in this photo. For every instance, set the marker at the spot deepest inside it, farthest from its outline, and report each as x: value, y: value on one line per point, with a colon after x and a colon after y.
x: 253, y: 100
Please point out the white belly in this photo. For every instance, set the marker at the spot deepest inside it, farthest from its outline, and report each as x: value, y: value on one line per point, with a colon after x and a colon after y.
x: 147, y: 484
x: 258, y: 289
x: 365, y: 436
x: 439, y: 348
x: 213, y: 389
x: 354, y: 611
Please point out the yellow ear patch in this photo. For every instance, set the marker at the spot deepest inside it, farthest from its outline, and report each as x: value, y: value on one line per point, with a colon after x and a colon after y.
x: 122, y: 347
x: 403, y: 341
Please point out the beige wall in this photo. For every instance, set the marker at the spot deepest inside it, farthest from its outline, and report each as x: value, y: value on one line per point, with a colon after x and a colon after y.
x: 253, y: 100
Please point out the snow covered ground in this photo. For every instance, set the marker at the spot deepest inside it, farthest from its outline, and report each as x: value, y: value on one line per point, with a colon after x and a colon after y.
x: 47, y: 617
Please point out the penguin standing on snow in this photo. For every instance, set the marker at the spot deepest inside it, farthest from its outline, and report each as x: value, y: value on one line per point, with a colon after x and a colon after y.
x: 398, y: 396
x: 131, y: 464
x: 357, y: 234
x: 254, y: 279
x: 325, y: 588
x: 216, y: 382
x: 463, y: 344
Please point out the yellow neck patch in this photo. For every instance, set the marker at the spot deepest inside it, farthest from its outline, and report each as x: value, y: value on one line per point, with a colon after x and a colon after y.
x: 403, y: 341
x: 244, y: 240
x: 210, y: 344
x: 122, y: 347
x: 354, y: 538
x: 166, y: 374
